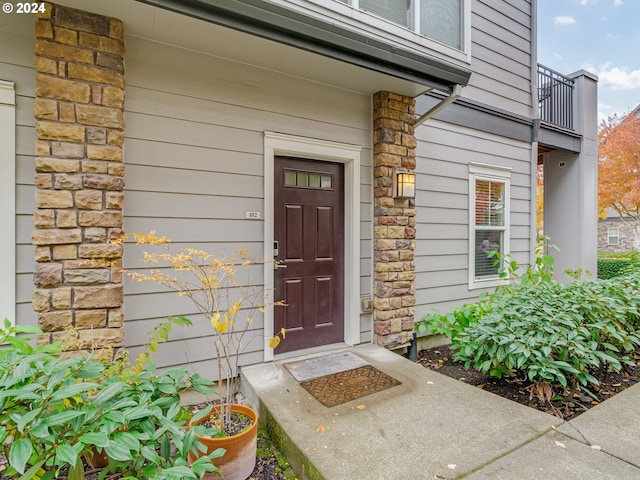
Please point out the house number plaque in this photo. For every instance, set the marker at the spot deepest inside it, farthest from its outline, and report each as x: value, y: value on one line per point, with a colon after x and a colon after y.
x: 252, y: 215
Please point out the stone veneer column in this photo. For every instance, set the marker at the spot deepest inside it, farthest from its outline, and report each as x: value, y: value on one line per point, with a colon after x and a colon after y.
x: 394, y: 149
x: 79, y: 112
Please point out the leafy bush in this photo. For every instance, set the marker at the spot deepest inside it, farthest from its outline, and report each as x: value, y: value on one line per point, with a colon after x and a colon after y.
x: 552, y: 332
x: 453, y: 323
x: 611, y: 267
x: 618, y: 264
x: 556, y: 332
x: 55, y: 409
x: 633, y: 264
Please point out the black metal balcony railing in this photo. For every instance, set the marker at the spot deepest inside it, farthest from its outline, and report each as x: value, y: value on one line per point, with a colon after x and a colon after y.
x: 555, y: 97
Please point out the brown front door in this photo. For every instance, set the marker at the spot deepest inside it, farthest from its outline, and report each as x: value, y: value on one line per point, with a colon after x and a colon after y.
x: 309, y: 238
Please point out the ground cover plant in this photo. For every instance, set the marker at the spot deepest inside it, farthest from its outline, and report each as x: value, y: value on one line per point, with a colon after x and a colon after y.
x: 556, y: 336
x: 56, y: 409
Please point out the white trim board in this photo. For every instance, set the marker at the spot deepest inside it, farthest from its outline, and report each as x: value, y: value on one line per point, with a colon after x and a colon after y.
x: 8, y: 200
x: 278, y: 144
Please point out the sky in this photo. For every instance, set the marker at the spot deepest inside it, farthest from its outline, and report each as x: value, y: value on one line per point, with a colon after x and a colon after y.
x: 600, y: 36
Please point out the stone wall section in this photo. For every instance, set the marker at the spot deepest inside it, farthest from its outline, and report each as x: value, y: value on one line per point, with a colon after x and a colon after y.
x: 394, y: 150
x: 626, y: 238
x: 79, y: 177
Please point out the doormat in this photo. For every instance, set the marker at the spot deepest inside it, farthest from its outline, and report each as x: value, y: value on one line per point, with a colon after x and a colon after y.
x: 342, y: 387
x: 328, y: 364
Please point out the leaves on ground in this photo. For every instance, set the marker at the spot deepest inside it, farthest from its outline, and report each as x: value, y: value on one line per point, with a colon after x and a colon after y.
x: 550, y: 398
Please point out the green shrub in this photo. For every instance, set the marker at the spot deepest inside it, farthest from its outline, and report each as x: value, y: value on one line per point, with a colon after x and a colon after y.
x: 55, y: 409
x: 633, y: 264
x: 550, y: 331
x: 556, y: 332
x: 453, y: 323
x: 611, y: 267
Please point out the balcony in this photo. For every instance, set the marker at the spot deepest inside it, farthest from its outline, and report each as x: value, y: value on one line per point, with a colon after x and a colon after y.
x: 555, y: 98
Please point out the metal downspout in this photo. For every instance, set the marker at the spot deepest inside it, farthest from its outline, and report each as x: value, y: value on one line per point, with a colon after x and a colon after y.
x: 535, y: 113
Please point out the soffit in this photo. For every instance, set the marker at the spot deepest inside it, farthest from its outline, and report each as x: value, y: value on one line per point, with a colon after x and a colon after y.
x: 161, y: 25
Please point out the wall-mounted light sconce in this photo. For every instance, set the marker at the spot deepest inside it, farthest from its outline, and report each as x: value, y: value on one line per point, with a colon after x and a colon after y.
x: 404, y: 185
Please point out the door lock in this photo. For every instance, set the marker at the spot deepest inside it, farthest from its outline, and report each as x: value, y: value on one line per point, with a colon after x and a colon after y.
x: 277, y: 264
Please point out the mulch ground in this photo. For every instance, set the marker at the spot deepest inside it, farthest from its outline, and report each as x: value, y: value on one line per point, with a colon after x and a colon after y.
x: 521, y: 390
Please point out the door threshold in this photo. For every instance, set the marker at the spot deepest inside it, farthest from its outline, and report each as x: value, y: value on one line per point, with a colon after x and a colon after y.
x: 308, y: 352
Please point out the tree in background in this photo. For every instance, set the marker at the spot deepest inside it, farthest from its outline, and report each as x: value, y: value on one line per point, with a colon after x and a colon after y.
x: 619, y: 169
x: 540, y: 202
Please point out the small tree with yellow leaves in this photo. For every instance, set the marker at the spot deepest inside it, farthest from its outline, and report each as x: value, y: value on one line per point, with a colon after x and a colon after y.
x: 209, y: 281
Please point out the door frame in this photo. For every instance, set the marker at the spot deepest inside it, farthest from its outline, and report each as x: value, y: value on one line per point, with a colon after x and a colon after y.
x: 279, y: 144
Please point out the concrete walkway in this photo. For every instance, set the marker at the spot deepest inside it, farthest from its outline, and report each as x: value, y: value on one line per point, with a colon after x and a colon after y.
x: 435, y: 427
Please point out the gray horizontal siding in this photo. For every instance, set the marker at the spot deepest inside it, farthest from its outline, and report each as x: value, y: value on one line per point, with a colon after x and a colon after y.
x: 245, y: 97
x: 196, y: 353
x: 194, y: 165
x: 442, y: 208
x: 435, y: 263
x: 161, y: 153
x: 502, y: 42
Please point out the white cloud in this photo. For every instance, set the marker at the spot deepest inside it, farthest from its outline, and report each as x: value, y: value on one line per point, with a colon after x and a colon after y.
x: 604, y: 112
x: 607, y: 111
x: 617, y: 78
x: 585, y: 3
x: 564, y: 20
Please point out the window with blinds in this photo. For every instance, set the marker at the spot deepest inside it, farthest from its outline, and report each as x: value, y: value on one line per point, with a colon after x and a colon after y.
x: 489, y: 226
x: 440, y: 20
x: 488, y: 222
x: 397, y: 11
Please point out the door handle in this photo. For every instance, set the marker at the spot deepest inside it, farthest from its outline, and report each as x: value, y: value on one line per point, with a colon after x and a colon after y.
x: 277, y: 266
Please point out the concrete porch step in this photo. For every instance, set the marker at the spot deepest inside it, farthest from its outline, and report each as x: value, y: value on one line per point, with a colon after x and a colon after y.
x: 429, y: 427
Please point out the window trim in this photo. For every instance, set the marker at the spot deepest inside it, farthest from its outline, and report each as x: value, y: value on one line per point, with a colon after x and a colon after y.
x: 8, y: 200
x: 350, y: 10
x: 609, y: 236
x: 493, y: 173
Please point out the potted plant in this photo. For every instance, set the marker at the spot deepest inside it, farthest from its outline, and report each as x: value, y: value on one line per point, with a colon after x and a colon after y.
x: 55, y: 409
x: 209, y: 281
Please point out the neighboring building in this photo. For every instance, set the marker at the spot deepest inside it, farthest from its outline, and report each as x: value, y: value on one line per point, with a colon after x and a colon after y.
x: 251, y: 122
x: 615, y: 234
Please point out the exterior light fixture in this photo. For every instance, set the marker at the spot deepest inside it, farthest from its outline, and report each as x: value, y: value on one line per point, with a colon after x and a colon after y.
x: 405, y: 185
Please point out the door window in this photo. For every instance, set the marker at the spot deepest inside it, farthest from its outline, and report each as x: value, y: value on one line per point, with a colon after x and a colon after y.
x: 308, y: 180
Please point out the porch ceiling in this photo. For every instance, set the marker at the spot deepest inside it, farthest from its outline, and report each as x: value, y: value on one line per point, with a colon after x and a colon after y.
x: 157, y: 24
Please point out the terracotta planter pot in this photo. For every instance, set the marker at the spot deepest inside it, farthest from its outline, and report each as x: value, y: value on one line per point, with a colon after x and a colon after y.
x: 239, y: 459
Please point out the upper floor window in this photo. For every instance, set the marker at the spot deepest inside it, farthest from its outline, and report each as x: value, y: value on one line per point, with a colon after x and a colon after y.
x: 440, y: 20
